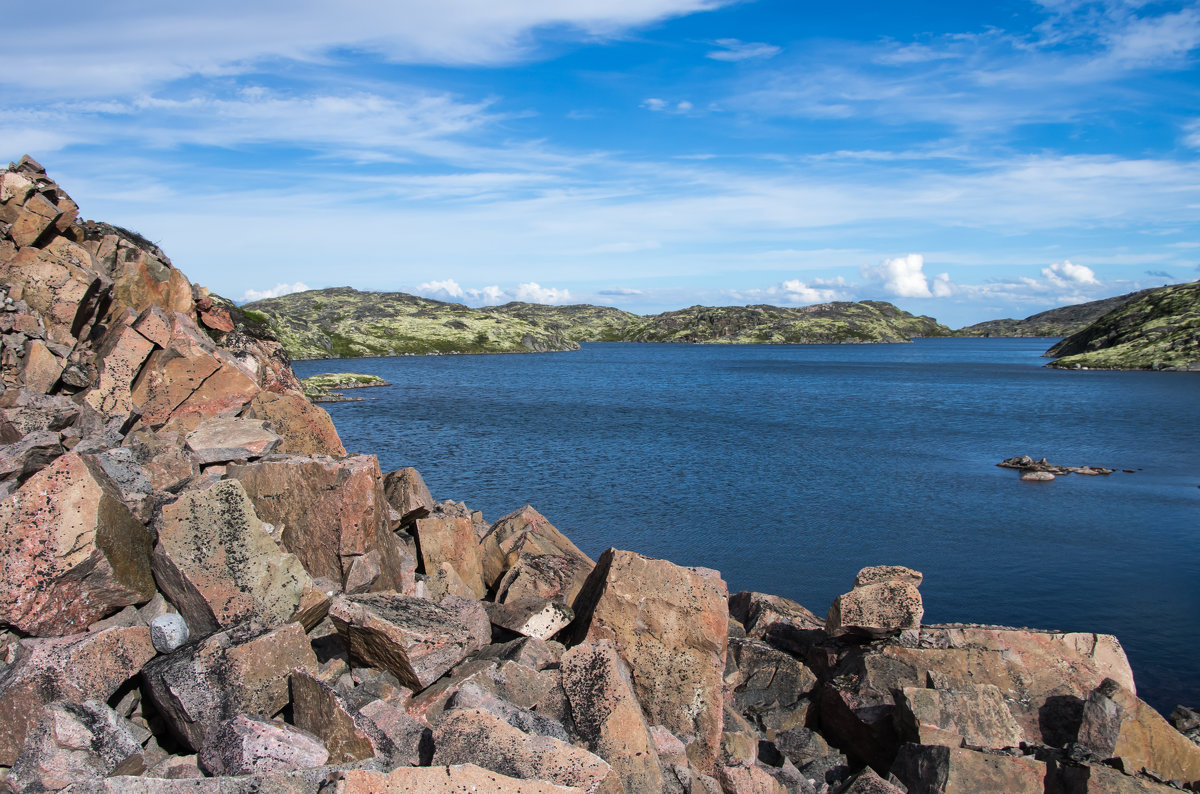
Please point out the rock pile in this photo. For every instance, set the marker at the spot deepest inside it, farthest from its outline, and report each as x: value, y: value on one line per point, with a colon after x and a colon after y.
x: 203, y: 592
x: 1044, y: 471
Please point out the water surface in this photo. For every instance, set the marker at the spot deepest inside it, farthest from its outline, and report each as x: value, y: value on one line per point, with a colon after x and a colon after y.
x: 789, y: 468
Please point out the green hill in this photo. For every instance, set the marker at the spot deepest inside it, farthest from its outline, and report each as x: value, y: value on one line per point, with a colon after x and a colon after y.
x: 346, y: 323
x: 1159, y: 329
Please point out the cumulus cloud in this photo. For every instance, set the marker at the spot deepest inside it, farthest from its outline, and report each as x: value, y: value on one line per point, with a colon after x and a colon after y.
x: 274, y: 292
x: 535, y: 293
x: 904, y: 277
x: 738, y: 50
x: 451, y: 290
x: 1065, y: 275
x: 796, y: 292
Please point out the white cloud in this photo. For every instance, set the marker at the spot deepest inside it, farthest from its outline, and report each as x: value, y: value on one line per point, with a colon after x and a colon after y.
x: 1067, y: 275
x: 274, y: 292
x: 535, y: 293
x: 129, y: 47
x: 663, y: 106
x: 904, y: 277
x: 451, y: 290
x: 737, y: 50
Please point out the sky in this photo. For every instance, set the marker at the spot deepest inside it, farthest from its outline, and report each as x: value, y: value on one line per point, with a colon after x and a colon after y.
x: 968, y: 161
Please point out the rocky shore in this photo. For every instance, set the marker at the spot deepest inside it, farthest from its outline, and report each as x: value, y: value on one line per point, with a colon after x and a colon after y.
x: 202, y: 592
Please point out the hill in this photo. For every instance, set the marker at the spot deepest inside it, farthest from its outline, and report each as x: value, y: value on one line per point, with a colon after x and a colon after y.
x: 1159, y: 329
x: 1063, y: 321
x: 346, y: 323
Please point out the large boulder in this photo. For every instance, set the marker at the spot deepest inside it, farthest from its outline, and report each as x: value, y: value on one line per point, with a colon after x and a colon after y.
x: 244, y: 670
x: 884, y: 602
x: 74, y: 551
x: 142, y: 275
x: 328, y: 512
x: 74, y: 742
x: 769, y: 688
x: 954, y: 770
x: 60, y: 284
x: 670, y: 625
x: 1144, y: 740
x: 217, y: 564
x: 450, y: 540
x: 324, y: 713
x: 414, y: 639
x: 305, y: 429
x: 82, y: 667
x: 119, y: 360
x: 408, y: 494
x: 977, y: 717
x: 779, y: 621
x: 607, y: 716
x: 511, y: 545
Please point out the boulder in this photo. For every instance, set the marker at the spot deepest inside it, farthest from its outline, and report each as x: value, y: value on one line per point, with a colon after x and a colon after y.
x: 748, y: 780
x: 304, y: 428
x: 450, y: 540
x: 414, y: 639
x: 241, y: 670
x: 1044, y: 676
x: 768, y: 686
x: 406, y: 491
x: 219, y: 567
x: 607, y: 717
x: 82, y: 667
x: 42, y: 367
x: 329, y: 511
x: 164, y: 457
x: 543, y: 576
x: 168, y: 632
x: 220, y: 440
x: 884, y: 602
x: 1067, y: 778
x: 74, y: 742
x: 472, y: 736
x: 867, y: 782
x: 74, y: 552
x: 120, y: 358
x: 442, y: 780
x: 60, y: 286
x: 776, y: 620
x: 955, y: 770
x: 669, y: 624
x: 977, y: 717
x: 405, y: 733
x: 1146, y: 741
x: 325, y: 714
x: 174, y: 372
x: 531, y: 617
x: 523, y: 687
x: 472, y: 696
x: 525, y: 533
x: 247, y: 745
x: 142, y: 275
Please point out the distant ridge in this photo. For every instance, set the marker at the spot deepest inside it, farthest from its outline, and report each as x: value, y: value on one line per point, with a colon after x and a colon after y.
x: 343, y: 322
x: 1063, y: 321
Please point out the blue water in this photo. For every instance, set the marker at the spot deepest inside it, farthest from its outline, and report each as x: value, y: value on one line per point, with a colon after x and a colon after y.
x: 789, y: 468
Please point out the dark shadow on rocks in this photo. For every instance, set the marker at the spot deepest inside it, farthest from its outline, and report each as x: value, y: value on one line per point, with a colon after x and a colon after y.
x: 1059, y: 718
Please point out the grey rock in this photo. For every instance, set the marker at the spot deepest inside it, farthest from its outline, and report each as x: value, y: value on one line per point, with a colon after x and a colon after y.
x: 168, y: 632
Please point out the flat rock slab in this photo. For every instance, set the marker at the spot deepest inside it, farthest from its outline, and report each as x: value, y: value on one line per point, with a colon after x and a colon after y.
x: 248, y: 744
x: 977, y: 716
x: 217, y: 564
x: 530, y: 617
x: 414, y: 639
x: 220, y: 440
x: 74, y: 551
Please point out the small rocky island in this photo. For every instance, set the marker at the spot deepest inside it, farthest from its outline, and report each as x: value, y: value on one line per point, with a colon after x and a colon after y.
x: 203, y: 593
x: 321, y: 388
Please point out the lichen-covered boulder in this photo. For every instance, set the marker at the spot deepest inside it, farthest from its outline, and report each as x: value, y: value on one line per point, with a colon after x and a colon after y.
x: 74, y: 551
x: 217, y: 564
x: 524, y: 534
x: 305, y: 429
x: 78, y: 668
x: 247, y: 744
x: 450, y: 540
x: 977, y: 717
x: 884, y: 602
x: 74, y: 742
x: 670, y: 626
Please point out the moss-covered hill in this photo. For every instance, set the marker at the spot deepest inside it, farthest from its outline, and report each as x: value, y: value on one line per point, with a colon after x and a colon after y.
x: 826, y: 323
x: 578, y: 323
x: 346, y: 323
x: 1159, y: 329
x: 1063, y: 321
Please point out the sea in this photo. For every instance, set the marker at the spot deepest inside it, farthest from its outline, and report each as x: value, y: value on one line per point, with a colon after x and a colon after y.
x: 790, y: 467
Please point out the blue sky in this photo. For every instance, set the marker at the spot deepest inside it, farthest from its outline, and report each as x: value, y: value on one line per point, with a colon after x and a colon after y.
x: 963, y: 160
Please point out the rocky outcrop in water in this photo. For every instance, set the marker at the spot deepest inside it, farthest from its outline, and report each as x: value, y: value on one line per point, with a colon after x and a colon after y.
x: 203, y: 593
